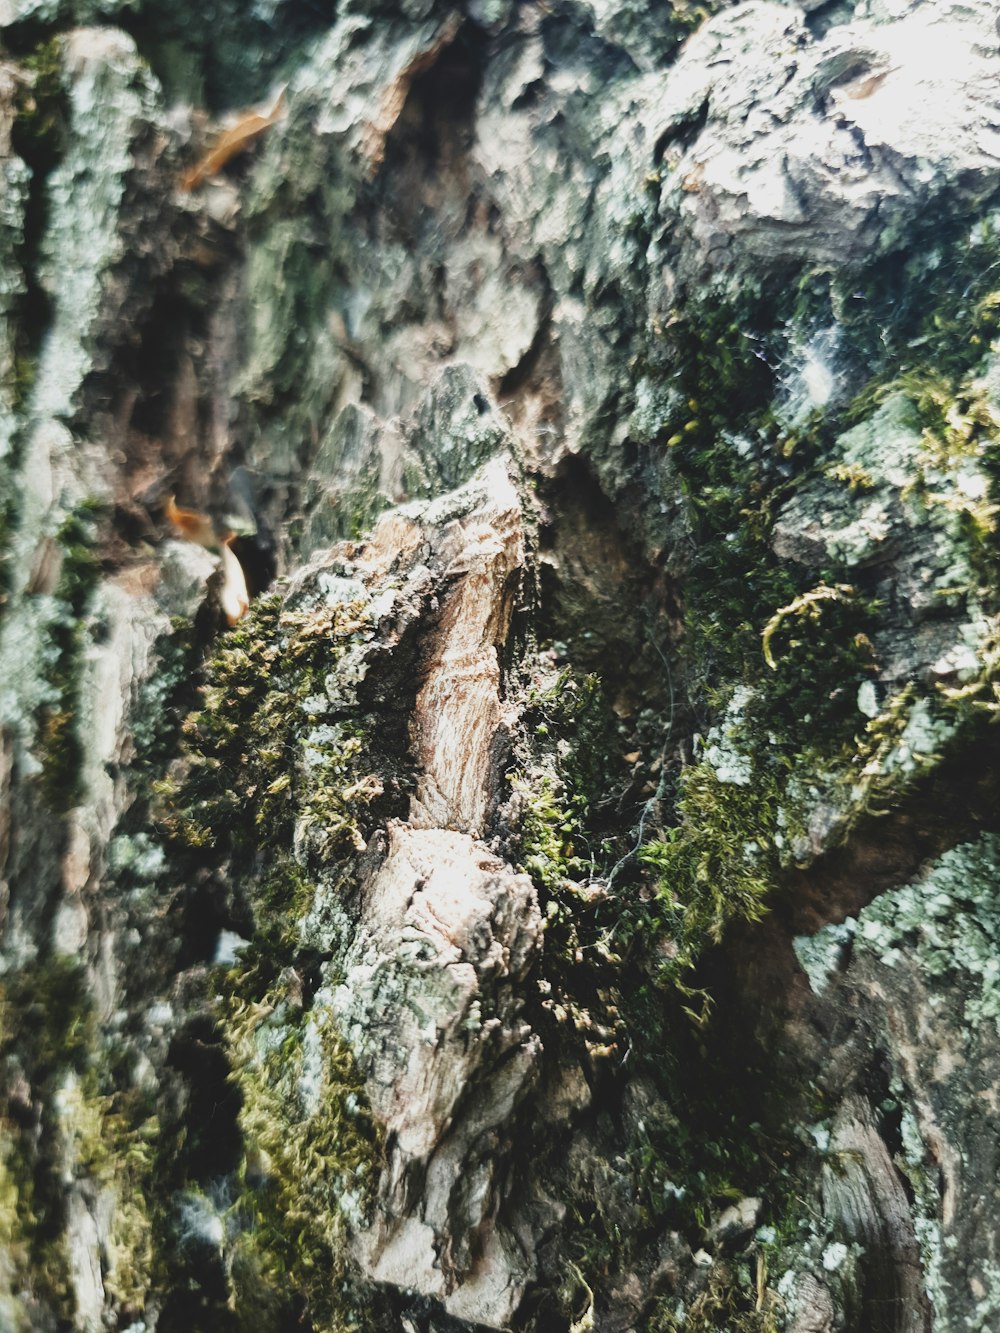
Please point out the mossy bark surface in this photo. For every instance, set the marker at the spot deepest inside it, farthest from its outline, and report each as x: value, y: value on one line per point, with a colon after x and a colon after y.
x: 567, y: 899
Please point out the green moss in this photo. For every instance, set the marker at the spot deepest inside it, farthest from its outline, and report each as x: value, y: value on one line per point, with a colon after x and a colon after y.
x: 804, y: 640
x: 116, y: 1155
x: 273, y: 766
x: 923, y: 327
x: 548, y: 827
x: 25, y: 371
x: 564, y: 810
x: 738, y: 467
x: 39, y: 131
x: 797, y: 745
x: 282, y: 780
x: 618, y: 980
x: 45, y: 1008
x: 313, y: 1149
x: 13, y: 1241
x: 785, y: 660
x: 675, y: 1163
x: 722, y: 441
x: 48, y: 1029
x: 345, y: 511
x: 717, y: 864
x: 659, y: 36
x: 738, y: 813
x: 731, y: 456
x: 566, y: 775
x: 933, y: 304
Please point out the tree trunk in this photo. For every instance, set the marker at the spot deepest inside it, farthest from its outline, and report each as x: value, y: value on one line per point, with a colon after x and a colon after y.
x: 565, y: 900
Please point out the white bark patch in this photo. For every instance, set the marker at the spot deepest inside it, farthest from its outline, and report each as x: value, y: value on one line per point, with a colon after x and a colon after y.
x: 446, y: 925
x: 83, y: 1248
x: 430, y: 1005
x: 458, y: 709
x: 823, y: 149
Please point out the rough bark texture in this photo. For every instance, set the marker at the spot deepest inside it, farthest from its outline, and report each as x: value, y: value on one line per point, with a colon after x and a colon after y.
x: 567, y: 900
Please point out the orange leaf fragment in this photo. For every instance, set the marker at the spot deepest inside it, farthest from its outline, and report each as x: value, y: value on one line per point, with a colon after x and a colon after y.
x: 195, y: 527
x: 250, y: 126
x: 233, y: 596
x: 188, y: 523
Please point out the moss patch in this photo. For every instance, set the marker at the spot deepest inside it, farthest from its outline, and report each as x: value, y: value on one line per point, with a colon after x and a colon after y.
x: 117, y: 1156
x: 816, y: 745
x: 283, y: 779
x: 278, y: 778
x: 312, y: 1154
x: 716, y: 865
x: 735, y: 1298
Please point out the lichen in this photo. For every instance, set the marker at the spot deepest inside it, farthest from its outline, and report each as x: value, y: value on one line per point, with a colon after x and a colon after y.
x: 347, y: 491
x: 725, y: 745
x: 921, y: 1175
x: 37, y: 137
x: 822, y: 955
x: 949, y: 921
x: 90, y: 98
x: 941, y: 931
x: 111, y: 100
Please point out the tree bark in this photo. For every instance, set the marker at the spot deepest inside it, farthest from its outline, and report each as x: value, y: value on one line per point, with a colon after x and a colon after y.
x: 565, y: 900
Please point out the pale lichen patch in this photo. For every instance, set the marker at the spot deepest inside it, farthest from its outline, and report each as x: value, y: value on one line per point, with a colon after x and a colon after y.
x: 949, y: 920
